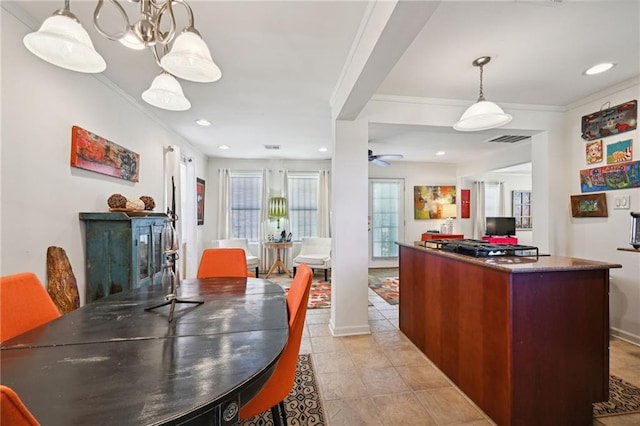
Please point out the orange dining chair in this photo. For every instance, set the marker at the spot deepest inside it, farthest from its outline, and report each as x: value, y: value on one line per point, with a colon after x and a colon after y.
x: 13, y: 412
x: 223, y: 262
x: 279, y: 385
x: 24, y: 304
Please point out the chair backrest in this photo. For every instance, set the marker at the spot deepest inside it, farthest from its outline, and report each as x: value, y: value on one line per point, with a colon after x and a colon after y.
x: 24, y: 304
x: 283, y: 378
x: 223, y: 262
x: 315, y: 245
x: 13, y: 412
x: 242, y: 243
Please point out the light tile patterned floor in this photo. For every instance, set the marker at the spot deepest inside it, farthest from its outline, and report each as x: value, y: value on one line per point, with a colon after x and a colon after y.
x: 383, y: 379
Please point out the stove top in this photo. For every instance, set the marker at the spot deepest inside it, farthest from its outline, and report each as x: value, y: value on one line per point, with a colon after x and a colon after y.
x: 480, y: 248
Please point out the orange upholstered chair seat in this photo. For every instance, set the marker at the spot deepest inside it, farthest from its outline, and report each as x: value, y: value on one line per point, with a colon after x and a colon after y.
x: 223, y: 262
x: 24, y: 304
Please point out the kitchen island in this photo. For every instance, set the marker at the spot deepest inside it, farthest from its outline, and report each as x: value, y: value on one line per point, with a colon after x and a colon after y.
x: 525, y: 338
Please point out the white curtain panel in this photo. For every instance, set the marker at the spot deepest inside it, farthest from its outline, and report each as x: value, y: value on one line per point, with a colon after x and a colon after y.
x: 264, y: 221
x: 477, y: 200
x: 324, y: 207
x: 224, y: 204
x: 189, y: 220
x: 501, y: 199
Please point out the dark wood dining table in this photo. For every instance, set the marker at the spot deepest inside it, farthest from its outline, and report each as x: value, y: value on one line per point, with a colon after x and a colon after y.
x: 112, y: 362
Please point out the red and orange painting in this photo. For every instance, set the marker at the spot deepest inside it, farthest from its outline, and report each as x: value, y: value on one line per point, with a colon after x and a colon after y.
x: 92, y: 152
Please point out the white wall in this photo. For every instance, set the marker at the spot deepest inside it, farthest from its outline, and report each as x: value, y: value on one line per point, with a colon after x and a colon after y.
x: 599, y: 238
x: 41, y: 193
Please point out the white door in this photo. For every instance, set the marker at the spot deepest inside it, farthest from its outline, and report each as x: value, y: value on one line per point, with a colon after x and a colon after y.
x: 386, y: 221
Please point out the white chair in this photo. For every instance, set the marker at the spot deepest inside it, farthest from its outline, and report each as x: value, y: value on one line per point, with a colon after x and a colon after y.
x: 252, y: 261
x: 315, y: 252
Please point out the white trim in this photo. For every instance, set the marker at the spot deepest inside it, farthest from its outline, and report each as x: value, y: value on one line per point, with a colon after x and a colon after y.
x: 626, y: 336
x: 354, y: 330
x: 462, y: 103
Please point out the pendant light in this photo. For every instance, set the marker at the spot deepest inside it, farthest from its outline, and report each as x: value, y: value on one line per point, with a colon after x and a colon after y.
x: 166, y: 93
x: 483, y: 114
x: 62, y: 41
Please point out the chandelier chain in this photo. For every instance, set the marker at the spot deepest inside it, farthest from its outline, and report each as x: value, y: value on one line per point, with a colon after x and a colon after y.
x: 481, y: 98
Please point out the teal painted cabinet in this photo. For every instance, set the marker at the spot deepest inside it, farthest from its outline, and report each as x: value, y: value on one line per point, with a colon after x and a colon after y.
x: 122, y: 252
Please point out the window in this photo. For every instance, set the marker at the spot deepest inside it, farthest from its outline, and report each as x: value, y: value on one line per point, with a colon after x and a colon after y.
x: 246, y: 203
x: 386, y: 215
x: 303, y: 204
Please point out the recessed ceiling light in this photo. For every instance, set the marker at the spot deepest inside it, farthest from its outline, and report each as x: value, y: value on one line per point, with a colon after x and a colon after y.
x: 600, y: 68
x: 223, y: 147
x: 440, y: 153
x: 323, y: 149
x: 203, y: 122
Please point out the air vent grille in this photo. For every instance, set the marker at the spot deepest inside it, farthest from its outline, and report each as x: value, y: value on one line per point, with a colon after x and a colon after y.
x: 272, y: 147
x: 509, y: 139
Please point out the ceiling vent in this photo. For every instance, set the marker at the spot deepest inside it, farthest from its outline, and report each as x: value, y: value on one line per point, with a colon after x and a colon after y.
x: 272, y: 147
x: 509, y: 139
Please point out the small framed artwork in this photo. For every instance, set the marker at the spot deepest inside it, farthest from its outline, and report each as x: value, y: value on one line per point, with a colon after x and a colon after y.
x: 611, y: 121
x: 429, y: 201
x: 594, y: 152
x: 619, y: 152
x: 589, y: 205
x: 522, y: 209
x: 200, y: 200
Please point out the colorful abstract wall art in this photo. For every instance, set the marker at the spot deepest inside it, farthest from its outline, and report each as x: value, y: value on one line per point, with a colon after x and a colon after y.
x: 614, y: 176
x: 619, y: 152
x: 611, y: 121
x: 618, y: 119
x: 428, y: 200
x: 92, y: 152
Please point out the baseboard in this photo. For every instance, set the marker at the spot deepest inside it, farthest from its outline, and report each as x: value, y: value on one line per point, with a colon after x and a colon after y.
x: 623, y: 335
x: 348, y: 331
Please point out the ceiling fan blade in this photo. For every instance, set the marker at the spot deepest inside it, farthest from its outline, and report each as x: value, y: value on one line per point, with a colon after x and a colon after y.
x: 390, y: 156
x: 379, y: 162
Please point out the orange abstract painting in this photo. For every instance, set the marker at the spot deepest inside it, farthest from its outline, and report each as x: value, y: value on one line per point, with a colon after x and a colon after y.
x: 92, y: 152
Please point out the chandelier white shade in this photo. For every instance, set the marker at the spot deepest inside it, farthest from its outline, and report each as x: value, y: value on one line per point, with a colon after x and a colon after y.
x: 190, y: 59
x: 483, y: 114
x: 63, y: 42
x: 166, y: 93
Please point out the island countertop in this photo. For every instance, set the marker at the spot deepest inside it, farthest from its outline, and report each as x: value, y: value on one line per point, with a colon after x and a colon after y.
x: 522, y: 264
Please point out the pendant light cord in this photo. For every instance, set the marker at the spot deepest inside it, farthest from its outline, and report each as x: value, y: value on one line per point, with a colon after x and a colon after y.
x: 481, y: 98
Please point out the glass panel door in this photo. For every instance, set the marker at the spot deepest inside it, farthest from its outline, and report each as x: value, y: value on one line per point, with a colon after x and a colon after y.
x: 386, y: 221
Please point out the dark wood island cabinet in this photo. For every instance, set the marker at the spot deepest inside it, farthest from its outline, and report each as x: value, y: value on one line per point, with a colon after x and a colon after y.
x: 526, y: 338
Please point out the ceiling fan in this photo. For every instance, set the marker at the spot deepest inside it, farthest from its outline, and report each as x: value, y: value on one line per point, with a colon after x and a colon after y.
x: 376, y: 159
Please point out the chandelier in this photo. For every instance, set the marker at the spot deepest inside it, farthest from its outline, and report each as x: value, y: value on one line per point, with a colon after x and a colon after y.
x: 62, y: 41
x: 483, y: 114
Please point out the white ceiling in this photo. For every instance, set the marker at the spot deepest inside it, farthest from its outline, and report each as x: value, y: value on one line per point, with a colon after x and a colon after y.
x: 281, y: 60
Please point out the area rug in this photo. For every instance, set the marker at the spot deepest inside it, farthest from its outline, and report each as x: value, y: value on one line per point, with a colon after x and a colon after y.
x: 624, y: 398
x: 386, y: 283
x: 319, y: 295
x: 303, y: 404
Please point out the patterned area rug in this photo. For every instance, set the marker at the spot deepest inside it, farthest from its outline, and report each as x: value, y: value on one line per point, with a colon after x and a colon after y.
x: 624, y: 398
x: 303, y: 404
x: 386, y: 283
x: 319, y: 296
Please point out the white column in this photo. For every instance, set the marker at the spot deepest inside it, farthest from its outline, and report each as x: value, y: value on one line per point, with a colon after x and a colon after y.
x: 349, y: 253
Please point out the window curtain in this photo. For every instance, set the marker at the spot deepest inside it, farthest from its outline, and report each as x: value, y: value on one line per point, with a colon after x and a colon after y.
x: 501, y: 199
x: 477, y: 200
x: 264, y: 220
x: 224, y: 204
x: 284, y: 184
x: 188, y: 217
x: 324, y: 207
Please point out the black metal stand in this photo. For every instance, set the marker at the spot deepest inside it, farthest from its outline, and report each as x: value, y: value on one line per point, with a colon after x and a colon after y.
x: 172, y: 298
